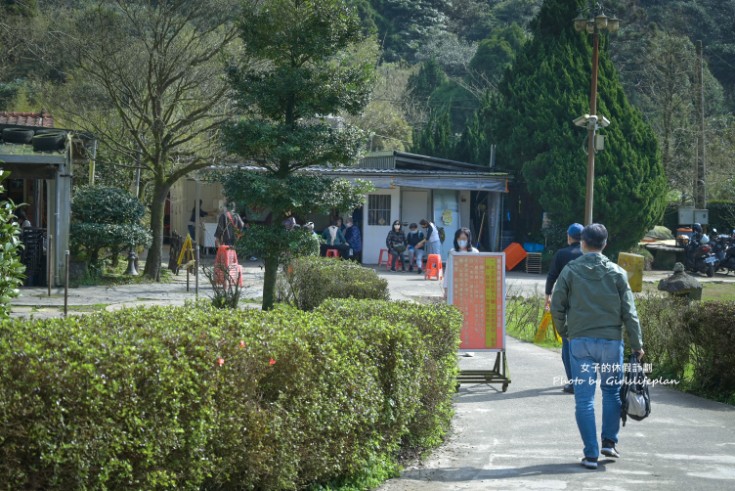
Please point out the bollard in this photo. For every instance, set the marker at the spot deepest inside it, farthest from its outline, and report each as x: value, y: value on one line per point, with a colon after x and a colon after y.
x: 66, y: 283
x: 196, y: 274
x: 50, y: 262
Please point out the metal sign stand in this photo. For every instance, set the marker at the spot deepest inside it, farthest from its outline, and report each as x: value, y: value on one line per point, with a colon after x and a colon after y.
x: 498, y: 375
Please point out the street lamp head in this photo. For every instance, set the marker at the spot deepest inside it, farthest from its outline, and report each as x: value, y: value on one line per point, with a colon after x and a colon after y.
x: 601, y: 21
x: 591, y: 26
x: 580, y: 23
x: 613, y: 24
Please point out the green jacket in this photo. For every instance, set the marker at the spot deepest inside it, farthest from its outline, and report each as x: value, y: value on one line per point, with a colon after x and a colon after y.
x: 592, y: 299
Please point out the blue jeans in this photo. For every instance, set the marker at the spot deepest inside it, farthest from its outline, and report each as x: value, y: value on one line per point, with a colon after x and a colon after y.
x: 565, y: 357
x: 417, y: 254
x: 590, y: 356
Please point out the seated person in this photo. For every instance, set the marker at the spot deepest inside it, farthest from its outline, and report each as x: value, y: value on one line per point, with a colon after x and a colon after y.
x: 334, y: 239
x: 415, y: 251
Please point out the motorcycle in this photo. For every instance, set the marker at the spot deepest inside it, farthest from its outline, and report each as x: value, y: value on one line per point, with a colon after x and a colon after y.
x: 701, y: 258
x: 727, y: 256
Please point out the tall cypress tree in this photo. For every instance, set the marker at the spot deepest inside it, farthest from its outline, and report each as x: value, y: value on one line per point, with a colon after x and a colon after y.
x: 548, y: 87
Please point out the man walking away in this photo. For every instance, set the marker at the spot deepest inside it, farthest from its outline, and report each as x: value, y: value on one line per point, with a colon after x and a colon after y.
x: 561, y: 259
x: 591, y: 304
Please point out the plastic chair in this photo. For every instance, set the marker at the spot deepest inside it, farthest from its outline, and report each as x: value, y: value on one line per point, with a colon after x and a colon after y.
x: 433, y: 269
x: 333, y: 253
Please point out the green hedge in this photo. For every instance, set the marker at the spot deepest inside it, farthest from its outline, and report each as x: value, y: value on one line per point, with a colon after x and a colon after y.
x: 309, y: 281
x: 200, y: 398
x: 694, y: 343
x: 438, y: 325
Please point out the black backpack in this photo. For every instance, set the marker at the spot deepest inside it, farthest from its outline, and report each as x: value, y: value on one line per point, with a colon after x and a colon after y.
x: 636, y: 401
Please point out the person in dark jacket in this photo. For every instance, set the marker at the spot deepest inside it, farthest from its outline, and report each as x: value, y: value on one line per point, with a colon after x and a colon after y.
x: 193, y: 219
x: 354, y: 239
x: 396, y: 243
x: 561, y: 259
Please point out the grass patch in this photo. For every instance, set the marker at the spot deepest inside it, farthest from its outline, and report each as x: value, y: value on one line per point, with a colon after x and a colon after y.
x: 711, y: 291
x: 523, y: 316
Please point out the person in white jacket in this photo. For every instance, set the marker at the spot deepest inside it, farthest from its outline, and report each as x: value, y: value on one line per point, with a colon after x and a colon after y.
x: 462, y: 244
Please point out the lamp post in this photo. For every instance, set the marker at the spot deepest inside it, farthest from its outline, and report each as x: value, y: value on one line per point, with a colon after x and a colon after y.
x: 593, y: 24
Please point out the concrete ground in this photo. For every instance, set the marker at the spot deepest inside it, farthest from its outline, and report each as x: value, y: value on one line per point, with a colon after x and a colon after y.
x: 525, y: 438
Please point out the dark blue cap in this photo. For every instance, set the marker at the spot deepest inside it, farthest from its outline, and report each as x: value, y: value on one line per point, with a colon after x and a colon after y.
x: 575, y: 231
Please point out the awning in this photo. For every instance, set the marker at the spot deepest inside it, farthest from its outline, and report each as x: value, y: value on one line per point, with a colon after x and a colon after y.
x: 459, y: 184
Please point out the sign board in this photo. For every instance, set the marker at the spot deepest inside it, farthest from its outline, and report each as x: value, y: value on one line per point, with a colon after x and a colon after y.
x: 689, y: 215
x: 476, y: 286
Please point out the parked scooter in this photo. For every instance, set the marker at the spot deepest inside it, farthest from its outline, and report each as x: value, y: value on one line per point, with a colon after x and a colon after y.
x: 701, y: 258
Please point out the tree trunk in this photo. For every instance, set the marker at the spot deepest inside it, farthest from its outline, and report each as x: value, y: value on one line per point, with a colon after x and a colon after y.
x: 153, y: 262
x: 269, y: 282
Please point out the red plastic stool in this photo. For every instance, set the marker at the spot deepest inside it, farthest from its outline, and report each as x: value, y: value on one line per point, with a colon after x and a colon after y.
x: 333, y: 253
x: 433, y: 269
x: 380, y: 258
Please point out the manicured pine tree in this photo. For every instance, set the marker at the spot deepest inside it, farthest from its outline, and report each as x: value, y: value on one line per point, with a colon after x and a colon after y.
x: 548, y: 87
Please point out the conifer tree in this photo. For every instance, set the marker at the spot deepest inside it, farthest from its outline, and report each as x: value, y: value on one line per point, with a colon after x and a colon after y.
x: 548, y: 87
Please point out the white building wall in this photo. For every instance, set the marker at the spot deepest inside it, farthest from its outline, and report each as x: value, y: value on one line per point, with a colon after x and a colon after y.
x: 373, y: 236
x: 183, y: 199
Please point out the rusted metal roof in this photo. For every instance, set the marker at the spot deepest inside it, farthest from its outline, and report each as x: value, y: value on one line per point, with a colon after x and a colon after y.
x: 38, y: 120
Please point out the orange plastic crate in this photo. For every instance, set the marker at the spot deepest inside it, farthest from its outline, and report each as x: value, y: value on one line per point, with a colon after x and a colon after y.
x: 514, y: 255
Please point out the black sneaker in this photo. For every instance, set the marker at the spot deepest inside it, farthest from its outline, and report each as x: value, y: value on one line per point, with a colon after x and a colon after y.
x: 609, y: 450
x: 393, y: 269
x: 568, y: 388
x: 589, y: 462
x: 420, y: 271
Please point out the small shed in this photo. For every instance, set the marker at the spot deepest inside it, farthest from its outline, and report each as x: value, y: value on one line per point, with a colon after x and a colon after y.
x: 39, y: 158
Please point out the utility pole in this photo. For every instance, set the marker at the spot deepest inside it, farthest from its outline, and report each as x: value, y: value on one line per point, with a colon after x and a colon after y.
x: 700, y: 190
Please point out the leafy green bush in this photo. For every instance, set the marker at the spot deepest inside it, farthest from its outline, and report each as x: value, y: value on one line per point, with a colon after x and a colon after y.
x: 666, y: 337
x: 202, y: 398
x: 693, y: 343
x: 712, y: 331
x: 439, y: 327
x: 11, y: 269
x: 309, y: 281
x: 104, y: 217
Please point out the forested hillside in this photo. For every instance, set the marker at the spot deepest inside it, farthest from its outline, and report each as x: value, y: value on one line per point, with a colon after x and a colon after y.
x: 442, y: 61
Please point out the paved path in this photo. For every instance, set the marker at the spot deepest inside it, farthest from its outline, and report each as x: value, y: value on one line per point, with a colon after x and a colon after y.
x: 527, y: 438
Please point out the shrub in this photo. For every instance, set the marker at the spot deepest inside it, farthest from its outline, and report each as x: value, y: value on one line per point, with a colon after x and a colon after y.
x: 309, y: 281
x: 712, y: 331
x: 439, y: 326
x: 202, y: 398
x: 104, y: 217
x: 666, y: 337
x: 11, y: 268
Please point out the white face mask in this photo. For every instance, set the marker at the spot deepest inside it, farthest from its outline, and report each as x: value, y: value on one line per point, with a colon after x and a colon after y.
x: 462, y: 244
x: 396, y: 227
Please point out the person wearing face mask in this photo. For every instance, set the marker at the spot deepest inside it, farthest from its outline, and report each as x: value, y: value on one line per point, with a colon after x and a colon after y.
x: 396, y: 243
x: 462, y: 244
x: 415, y: 251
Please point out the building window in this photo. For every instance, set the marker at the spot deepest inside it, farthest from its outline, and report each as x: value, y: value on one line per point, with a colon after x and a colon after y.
x: 379, y: 209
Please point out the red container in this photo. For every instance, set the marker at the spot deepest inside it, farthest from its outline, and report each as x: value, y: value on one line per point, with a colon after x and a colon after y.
x: 514, y: 255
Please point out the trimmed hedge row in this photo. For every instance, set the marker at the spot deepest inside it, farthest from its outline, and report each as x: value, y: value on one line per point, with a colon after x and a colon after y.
x: 691, y: 342
x: 200, y: 398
